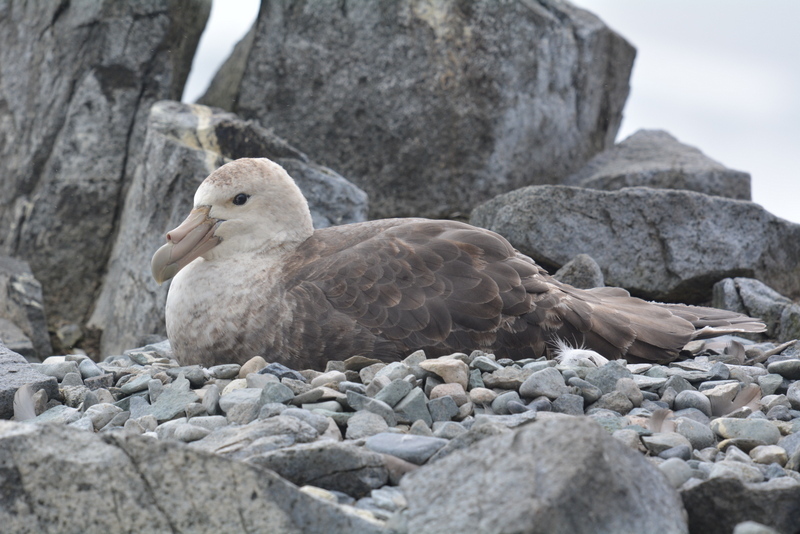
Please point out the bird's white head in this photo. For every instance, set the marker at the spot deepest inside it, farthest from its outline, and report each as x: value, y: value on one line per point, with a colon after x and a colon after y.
x: 245, y: 206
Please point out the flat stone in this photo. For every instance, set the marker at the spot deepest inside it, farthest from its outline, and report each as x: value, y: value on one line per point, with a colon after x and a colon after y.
x: 59, y: 414
x: 649, y: 382
x: 409, y: 447
x: 173, y: 400
x: 569, y: 404
x: 364, y: 424
x: 507, y: 378
x: 450, y: 370
x: 281, y: 371
x: 754, y: 429
x: 486, y: 364
x: 226, y: 371
x: 545, y: 383
x: 239, y: 395
x: 394, y: 392
x: 139, y: 383
x: 361, y: 402
x: 276, y: 392
x: 413, y: 407
x: 326, y: 406
x: 331, y: 377
x: 661, y: 441
x: 443, y: 408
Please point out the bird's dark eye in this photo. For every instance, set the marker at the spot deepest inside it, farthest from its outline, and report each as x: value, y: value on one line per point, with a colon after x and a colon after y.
x: 240, y: 199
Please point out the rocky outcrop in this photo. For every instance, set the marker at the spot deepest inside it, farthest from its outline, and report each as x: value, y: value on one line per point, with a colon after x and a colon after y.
x: 432, y: 107
x: 659, y: 244
x: 121, y: 483
x: 653, y: 158
x: 184, y: 144
x: 22, y: 310
x: 76, y: 84
x: 562, y: 475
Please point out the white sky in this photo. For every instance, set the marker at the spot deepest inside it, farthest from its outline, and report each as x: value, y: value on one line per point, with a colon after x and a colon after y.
x: 721, y: 75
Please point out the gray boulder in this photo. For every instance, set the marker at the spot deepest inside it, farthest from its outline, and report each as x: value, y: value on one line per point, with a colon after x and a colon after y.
x: 21, y: 305
x: 659, y: 244
x: 432, y: 107
x: 558, y: 475
x: 184, y: 144
x: 653, y: 158
x: 15, y: 372
x: 581, y: 271
x: 756, y: 299
x: 77, y: 82
x: 58, y: 479
x: 716, y: 505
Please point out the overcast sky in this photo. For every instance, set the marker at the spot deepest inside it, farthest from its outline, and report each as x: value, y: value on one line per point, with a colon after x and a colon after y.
x: 721, y: 75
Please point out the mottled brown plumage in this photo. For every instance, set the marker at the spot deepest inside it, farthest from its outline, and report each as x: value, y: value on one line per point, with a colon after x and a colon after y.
x: 256, y: 278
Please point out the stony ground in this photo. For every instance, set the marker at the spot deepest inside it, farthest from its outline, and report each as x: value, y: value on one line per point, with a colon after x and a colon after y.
x: 730, y: 410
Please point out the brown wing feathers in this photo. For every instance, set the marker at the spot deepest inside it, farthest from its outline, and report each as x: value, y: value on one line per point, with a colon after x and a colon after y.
x: 404, y: 284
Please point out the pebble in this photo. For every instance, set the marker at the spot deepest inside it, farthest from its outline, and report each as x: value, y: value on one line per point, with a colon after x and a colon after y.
x: 545, y: 383
x: 755, y: 429
x: 364, y: 424
x: 414, y: 407
x: 506, y: 378
x: 661, y: 441
x: 690, y: 398
x: 789, y: 369
x: 769, y: 454
x: 276, y: 392
x: 450, y: 370
x: 393, y: 392
x: 677, y: 471
x: 253, y: 365
x: 453, y: 390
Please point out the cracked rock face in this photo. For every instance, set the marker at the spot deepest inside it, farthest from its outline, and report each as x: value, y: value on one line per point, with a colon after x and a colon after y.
x: 432, y: 107
x: 76, y: 83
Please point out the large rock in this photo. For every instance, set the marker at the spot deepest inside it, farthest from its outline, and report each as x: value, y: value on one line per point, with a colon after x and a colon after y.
x: 559, y: 475
x: 659, y: 244
x: 21, y: 304
x: 15, y: 372
x: 184, y: 144
x: 653, y: 158
x: 756, y: 299
x: 76, y: 83
x: 432, y: 107
x: 716, y: 505
x: 58, y: 479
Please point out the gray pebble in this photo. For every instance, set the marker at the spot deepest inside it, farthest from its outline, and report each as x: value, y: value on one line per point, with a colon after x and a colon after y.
x: 589, y: 392
x: 210, y: 422
x: 328, y: 406
x: 677, y: 471
x: 448, y: 429
x: 319, y: 422
x: 569, y: 404
x: 419, y: 428
x: 281, y: 371
x: 500, y: 403
x: 364, y: 424
x: 628, y: 387
x: 412, y: 407
x: 89, y: 369
x: 684, y: 452
x: 769, y: 384
x: 276, y: 392
x: 346, y: 385
x: 793, y: 394
x: 789, y: 369
x: 541, y: 404
x: 444, y: 408
x: 57, y: 369
x: 779, y: 413
x: 475, y: 379
x: 361, y: 402
x: 211, y: 399
x: 271, y: 409
x: 238, y: 395
x: 227, y: 371
x: 518, y: 407
x: 394, y: 392
x: 154, y: 389
x: 699, y: 435
x: 658, y: 443
x: 485, y: 364
x: 547, y: 383
x: 690, y: 398
x: 606, y: 377
x: 615, y: 401
x: 260, y: 381
x: 188, y: 432
x: 244, y: 412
